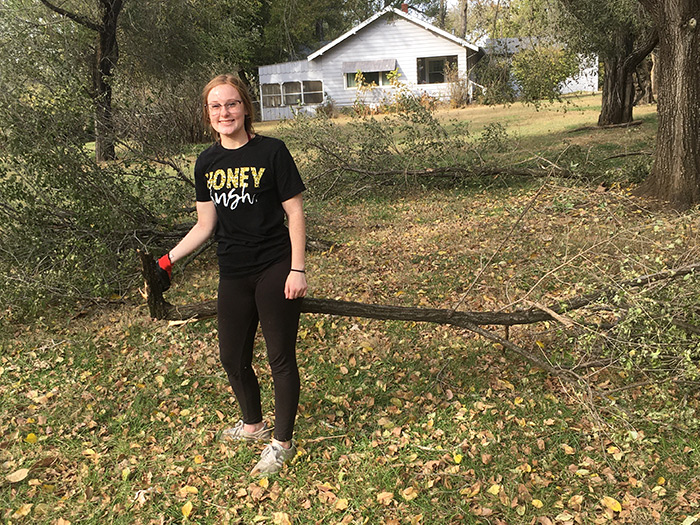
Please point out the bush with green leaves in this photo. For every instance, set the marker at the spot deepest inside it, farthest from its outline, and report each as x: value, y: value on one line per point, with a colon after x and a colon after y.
x: 69, y: 225
x: 658, y: 332
x: 541, y: 72
x: 407, y: 146
x: 494, y: 73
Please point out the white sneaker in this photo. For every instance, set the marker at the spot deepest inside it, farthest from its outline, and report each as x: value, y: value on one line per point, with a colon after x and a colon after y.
x: 238, y: 434
x: 273, y: 457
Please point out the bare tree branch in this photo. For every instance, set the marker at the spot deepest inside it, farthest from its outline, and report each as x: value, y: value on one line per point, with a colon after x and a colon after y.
x: 83, y: 21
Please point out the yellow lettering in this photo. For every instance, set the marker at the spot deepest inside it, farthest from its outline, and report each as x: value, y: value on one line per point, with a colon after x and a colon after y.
x: 210, y: 177
x: 243, y: 177
x: 231, y: 178
x: 219, y: 179
x: 257, y: 175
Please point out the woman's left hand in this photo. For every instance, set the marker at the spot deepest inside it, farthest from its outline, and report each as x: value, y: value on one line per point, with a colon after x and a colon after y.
x: 295, y: 286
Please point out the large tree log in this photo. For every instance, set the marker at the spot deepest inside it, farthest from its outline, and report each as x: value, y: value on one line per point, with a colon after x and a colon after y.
x: 472, y: 321
x: 161, y: 309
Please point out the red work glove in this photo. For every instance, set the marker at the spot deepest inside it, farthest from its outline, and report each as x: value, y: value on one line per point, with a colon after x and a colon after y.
x: 164, y: 268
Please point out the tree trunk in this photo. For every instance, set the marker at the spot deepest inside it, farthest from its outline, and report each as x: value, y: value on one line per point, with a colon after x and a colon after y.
x: 655, y: 74
x: 618, y: 87
x: 106, y: 56
x: 106, y: 59
x: 463, y: 12
x: 675, y: 176
x: 643, y: 89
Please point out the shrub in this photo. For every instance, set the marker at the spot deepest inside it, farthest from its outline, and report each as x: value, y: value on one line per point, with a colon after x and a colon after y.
x: 371, y: 153
x: 494, y: 74
x: 68, y: 225
x: 541, y: 72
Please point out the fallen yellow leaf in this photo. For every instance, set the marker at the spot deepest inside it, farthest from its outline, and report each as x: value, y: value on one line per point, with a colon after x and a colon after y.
x: 567, y: 449
x: 187, y: 509
x: 281, y: 518
x: 24, y: 510
x: 341, y: 504
x: 611, y: 503
x: 409, y: 494
x: 385, y: 498
x: 575, y: 500
x: 31, y: 438
x: 494, y: 489
x: 537, y: 504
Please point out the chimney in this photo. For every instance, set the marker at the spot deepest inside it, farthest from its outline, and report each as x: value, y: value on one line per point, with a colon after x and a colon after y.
x: 404, y: 7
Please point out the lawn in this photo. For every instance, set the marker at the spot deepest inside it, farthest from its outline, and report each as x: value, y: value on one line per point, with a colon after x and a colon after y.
x: 110, y: 417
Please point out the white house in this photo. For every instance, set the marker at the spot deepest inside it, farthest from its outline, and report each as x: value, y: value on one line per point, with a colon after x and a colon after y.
x: 388, y: 41
x: 586, y: 79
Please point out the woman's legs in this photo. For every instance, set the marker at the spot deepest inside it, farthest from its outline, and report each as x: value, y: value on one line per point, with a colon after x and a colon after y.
x: 238, y: 322
x: 279, y: 319
x: 241, y: 303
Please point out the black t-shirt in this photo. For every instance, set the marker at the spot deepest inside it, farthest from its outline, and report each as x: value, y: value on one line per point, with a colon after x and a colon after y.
x: 248, y: 186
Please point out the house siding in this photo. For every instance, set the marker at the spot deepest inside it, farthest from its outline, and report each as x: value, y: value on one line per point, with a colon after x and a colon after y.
x: 390, y: 35
x: 299, y: 70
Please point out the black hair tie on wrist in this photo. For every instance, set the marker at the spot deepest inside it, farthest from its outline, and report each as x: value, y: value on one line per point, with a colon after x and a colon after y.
x: 295, y: 270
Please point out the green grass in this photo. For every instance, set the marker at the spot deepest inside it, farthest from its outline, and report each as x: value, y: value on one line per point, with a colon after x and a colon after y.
x: 116, y: 416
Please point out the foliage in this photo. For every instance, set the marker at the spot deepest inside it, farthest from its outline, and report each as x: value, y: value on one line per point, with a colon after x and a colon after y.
x: 115, y: 418
x: 370, y: 151
x: 68, y: 223
x: 591, y: 27
x: 458, y: 87
x: 494, y: 73
x: 541, y: 72
x: 659, y: 330
x: 494, y: 137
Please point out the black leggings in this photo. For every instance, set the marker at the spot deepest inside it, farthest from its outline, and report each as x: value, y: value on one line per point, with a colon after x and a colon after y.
x: 242, y: 303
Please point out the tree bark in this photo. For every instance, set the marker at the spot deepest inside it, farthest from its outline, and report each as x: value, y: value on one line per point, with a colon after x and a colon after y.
x: 643, y: 85
x: 618, y: 86
x: 675, y: 176
x: 105, y: 59
x: 463, y: 12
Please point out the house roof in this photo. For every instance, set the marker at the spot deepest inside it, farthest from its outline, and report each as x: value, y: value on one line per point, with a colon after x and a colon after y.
x: 512, y: 45
x: 397, y: 12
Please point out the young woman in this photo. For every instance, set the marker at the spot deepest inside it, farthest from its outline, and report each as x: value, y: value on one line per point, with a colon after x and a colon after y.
x: 245, y: 186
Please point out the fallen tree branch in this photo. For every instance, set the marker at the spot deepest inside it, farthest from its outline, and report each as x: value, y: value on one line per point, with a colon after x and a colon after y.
x: 633, y: 154
x: 472, y: 321
x: 608, y: 126
x: 453, y: 171
x: 160, y: 309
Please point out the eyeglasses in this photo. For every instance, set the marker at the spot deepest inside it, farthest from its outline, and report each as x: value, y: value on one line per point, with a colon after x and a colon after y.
x: 230, y: 106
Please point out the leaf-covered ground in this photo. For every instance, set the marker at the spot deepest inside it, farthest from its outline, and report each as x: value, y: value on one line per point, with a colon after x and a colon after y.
x: 110, y: 417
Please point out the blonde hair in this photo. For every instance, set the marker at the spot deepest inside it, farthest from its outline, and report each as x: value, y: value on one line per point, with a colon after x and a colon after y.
x: 243, y: 92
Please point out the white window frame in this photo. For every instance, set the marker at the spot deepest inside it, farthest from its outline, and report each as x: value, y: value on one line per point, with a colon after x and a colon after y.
x: 285, y: 90
x: 382, y: 75
x: 444, y: 60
